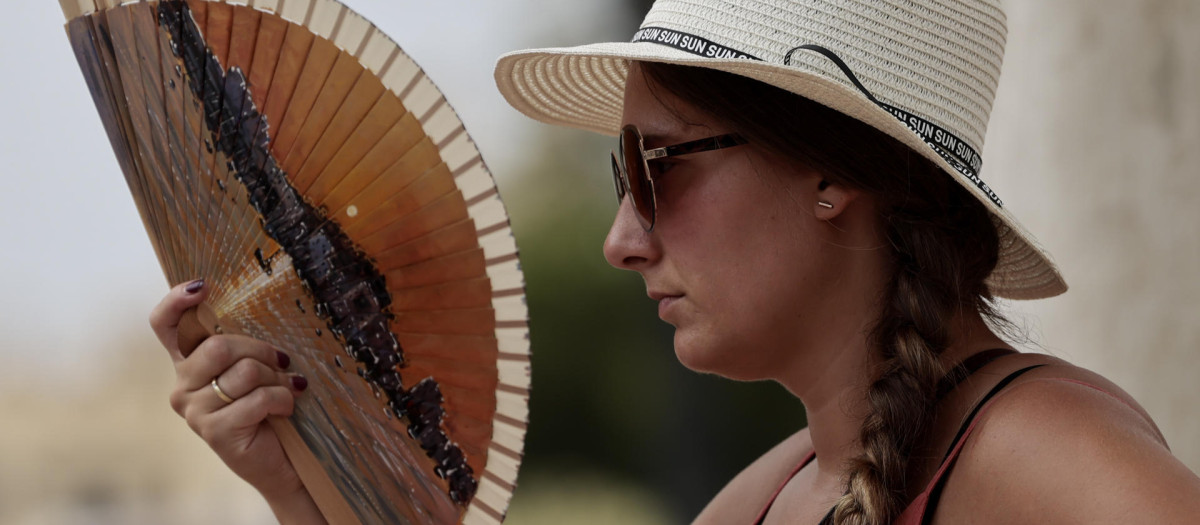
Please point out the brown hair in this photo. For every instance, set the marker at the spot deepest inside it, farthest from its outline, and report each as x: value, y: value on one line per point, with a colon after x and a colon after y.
x: 944, y: 245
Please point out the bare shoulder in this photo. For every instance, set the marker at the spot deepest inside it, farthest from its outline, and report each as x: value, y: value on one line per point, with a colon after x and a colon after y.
x: 1062, y: 444
x: 745, y: 495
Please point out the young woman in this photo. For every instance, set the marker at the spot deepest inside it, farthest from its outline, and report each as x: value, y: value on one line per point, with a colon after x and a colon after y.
x: 799, y: 187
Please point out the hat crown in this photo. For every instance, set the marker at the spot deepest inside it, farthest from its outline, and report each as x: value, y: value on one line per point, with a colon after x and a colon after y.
x: 936, y: 59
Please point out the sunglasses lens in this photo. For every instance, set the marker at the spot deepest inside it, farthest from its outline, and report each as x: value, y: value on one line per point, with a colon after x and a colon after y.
x: 640, y: 186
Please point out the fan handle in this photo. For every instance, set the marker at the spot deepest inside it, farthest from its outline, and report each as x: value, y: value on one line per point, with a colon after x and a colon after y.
x: 198, y: 324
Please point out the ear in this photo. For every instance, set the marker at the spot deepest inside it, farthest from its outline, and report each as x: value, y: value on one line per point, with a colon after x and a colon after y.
x: 832, y: 200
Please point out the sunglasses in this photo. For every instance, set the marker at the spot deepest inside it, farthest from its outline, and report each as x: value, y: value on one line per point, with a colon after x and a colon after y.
x: 631, y: 167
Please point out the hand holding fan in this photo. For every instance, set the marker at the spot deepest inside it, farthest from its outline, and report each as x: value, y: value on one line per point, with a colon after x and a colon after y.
x: 292, y: 155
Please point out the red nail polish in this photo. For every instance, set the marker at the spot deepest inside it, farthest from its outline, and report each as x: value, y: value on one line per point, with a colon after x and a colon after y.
x: 195, y: 286
x: 299, y: 383
x: 284, y: 360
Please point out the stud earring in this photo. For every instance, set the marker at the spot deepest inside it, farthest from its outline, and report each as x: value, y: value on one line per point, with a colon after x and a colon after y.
x: 824, y: 204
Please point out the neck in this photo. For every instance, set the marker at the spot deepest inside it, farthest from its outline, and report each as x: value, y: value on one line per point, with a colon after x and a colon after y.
x: 832, y: 383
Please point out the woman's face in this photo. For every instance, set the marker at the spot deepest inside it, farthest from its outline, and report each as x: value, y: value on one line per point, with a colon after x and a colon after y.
x: 737, y: 259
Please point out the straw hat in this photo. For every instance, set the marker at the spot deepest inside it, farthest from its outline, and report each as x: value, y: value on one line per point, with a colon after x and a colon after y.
x: 924, y: 72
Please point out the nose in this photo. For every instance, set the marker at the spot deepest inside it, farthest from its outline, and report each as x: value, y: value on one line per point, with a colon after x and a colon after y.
x: 628, y: 246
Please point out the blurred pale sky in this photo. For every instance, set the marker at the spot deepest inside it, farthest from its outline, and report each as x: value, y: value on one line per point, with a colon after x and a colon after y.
x: 76, y: 268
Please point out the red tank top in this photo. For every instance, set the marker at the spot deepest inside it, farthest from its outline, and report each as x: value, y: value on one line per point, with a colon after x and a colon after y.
x: 920, y: 510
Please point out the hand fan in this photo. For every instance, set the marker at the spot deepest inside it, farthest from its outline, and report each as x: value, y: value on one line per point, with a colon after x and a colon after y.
x: 292, y: 155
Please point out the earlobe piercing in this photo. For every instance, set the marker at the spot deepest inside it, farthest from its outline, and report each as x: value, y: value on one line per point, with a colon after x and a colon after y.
x: 824, y: 204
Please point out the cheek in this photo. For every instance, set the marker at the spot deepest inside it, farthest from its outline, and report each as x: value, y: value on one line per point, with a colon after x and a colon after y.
x: 749, y: 269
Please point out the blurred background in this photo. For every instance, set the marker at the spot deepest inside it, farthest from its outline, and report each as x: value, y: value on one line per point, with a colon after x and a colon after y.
x: 1094, y: 145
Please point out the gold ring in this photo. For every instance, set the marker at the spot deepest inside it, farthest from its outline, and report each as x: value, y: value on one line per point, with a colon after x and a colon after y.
x: 224, y: 397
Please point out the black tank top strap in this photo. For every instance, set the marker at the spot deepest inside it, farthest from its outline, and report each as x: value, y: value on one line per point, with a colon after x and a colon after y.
x: 967, y: 367
x: 935, y: 491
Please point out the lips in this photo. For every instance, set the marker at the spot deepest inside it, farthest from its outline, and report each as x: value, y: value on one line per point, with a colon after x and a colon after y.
x: 665, y: 300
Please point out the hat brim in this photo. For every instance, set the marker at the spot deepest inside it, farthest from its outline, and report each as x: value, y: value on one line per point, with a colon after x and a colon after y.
x: 584, y: 87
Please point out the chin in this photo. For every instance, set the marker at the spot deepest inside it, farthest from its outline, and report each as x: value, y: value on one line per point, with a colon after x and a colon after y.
x: 728, y: 360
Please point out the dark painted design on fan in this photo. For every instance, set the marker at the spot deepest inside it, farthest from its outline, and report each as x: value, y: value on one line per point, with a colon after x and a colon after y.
x: 349, y: 293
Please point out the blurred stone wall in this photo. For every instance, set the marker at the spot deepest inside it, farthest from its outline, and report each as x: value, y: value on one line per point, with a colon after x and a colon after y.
x: 1095, y: 147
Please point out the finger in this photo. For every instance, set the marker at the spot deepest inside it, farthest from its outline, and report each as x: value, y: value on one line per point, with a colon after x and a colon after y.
x: 225, y: 428
x: 197, y: 405
x: 239, y: 381
x: 164, y: 318
x: 218, y: 353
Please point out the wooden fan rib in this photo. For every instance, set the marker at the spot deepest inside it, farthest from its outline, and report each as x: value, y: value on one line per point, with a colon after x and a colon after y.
x: 107, y: 94
x: 243, y: 40
x: 155, y: 206
x: 199, y: 9
x: 369, y: 177
x: 330, y: 97
x: 200, y: 157
x: 454, y: 238
x: 436, y: 270
x: 368, y: 191
x: 480, y: 348
x: 218, y: 29
x: 293, y: 56
x: 444, y: 211
x: 459, y: 385
x: 256, y: 45
x: 208, y: 86
x: 362, y: 97
x: 164, y: 106
x: 132, y: 49
x: 474, y: 293
x: 268, y: 47
x: 243, y: 236
x: 285, y: 74
x: 471, y: 435
x: 423, y: 192
x: 315, y: 68
x: 473, y: 321
x: 181, y: 144
x: 128, y: 63
x: 452, y: 358
x: 336, y: 175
